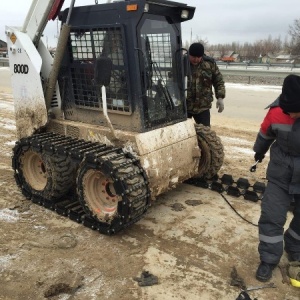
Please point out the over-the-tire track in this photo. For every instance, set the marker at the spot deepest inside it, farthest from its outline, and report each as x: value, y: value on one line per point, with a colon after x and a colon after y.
x: 123, y: 169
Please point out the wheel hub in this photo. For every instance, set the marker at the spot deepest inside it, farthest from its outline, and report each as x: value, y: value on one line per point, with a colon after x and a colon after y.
x: 100, y: 195
x: 34, y: 170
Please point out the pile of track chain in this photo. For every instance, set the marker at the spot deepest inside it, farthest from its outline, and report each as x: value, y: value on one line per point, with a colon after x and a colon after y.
x: 227, y: 184
x: 130, y: 209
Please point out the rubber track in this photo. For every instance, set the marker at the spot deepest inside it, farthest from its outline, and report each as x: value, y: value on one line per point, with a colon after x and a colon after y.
x: 69, y: 206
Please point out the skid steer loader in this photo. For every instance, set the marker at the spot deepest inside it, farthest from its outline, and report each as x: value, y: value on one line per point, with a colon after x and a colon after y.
x: 102, y: 127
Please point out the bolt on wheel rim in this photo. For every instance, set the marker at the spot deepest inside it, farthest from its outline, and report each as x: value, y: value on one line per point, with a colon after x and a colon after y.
x: 100, y: 195
x: 34, y: 170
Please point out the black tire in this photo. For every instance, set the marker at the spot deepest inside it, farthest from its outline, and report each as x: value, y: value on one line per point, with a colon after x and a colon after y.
x: 62, y: 176
x: 42, y: 175
x: 212, y: 152
x: 113, y: 190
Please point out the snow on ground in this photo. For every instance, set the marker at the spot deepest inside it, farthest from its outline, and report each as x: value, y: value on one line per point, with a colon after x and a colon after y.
x: 7, y: 106
x: 258, y: 88
x: 9, y: 215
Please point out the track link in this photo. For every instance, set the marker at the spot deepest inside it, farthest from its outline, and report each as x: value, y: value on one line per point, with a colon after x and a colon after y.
x: 226, y: 184
x: 127, y: 177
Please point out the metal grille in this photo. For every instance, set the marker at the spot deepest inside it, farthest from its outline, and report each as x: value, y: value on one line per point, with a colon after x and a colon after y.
x: 161, y: 50
x: 86, y: 46
x: 161, y: 60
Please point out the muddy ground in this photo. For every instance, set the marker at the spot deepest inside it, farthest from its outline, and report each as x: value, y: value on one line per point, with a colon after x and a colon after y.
x: 192, y: 249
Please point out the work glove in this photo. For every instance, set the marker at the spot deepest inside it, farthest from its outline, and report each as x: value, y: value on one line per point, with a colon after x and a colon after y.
x: 259, y: 157
x: 220, y: 105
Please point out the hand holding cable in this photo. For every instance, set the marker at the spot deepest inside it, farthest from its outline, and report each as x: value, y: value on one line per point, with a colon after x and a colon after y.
x: 258, y: 157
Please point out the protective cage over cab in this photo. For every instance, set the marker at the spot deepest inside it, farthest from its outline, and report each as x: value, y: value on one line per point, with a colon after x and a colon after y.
x: 140, y: 43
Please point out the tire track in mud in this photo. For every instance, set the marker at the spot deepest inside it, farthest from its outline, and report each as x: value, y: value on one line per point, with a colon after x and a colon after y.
x: 191, y: 251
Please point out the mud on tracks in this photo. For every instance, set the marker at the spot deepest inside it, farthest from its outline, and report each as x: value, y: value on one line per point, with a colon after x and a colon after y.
x: 191, y: 251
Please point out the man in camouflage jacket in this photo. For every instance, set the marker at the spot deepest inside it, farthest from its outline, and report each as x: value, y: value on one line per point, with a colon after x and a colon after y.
x: 205, y: 74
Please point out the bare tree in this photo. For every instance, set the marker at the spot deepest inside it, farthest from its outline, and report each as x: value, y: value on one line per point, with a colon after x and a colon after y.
x: 272, y: 45
x: 255, y: 50
x: 203, y: 41
x: 294, y: 32
x: 186, y: 45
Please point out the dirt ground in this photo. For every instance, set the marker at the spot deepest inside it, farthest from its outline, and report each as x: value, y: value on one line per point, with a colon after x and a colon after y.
x: 192, y: 249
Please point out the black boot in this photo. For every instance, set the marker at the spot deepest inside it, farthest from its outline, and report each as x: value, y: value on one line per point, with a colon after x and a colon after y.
x: 264, y: 271
x: 294, y: 256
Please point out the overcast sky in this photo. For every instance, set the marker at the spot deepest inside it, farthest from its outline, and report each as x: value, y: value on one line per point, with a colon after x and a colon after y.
x: 215, y: 21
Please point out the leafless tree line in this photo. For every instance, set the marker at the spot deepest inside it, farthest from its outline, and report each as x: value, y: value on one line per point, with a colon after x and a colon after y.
x: 261, y: 47
x: 294, y: 32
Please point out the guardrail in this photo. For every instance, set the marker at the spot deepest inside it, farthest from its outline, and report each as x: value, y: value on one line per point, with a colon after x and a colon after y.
x: 253, y: 71
x: 259, y: 72
x: 266, y: 66
x: 4, y: 62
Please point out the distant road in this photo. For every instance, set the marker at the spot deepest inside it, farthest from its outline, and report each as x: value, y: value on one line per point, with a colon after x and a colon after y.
x: 4, y: 62
x: 244, y: 105
x: 258, y: 70
x: 5, y: 78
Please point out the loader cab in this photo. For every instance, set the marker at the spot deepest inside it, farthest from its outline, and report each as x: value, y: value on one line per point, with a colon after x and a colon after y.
x: 140, y: 43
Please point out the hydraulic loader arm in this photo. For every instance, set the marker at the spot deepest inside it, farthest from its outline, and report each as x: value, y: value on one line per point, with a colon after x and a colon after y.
x: 30, y: 64
x: 40, y: 12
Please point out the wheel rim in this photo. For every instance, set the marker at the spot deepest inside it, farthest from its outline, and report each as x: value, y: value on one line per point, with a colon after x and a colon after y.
x: 34, y: 170
x: 100, y: 195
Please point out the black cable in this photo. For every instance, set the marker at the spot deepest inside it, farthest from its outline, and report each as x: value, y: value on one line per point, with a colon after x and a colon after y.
x: 237, y: 211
